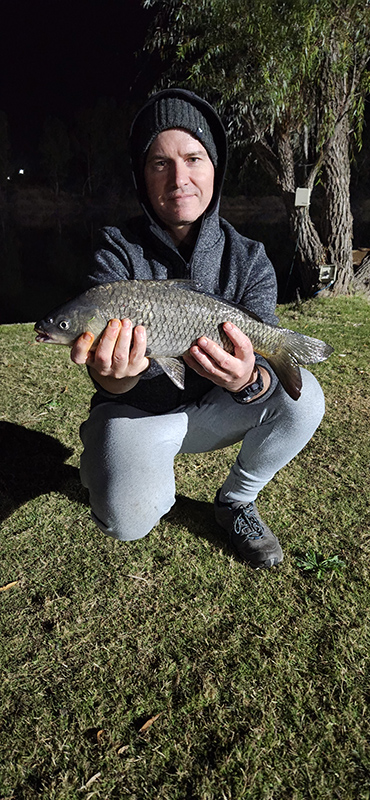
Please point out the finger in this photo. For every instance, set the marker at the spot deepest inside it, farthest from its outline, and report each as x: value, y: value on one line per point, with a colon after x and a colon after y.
x: 80, y: 349
x: 138, y: 349
x: 195, y: 365
x: 211, y: 354
x: 242, y: 344
x: 121, y: 350
x: 205, y: 365
x: 104, y: 351
x: 207, y: 368
x: 189, y: 359
x: 230, y: 371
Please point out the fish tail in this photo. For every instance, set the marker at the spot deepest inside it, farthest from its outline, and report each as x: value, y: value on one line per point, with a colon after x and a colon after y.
x: 296, y: 349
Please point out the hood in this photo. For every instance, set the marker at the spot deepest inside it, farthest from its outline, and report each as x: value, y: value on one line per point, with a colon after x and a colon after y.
x: 218, y: 133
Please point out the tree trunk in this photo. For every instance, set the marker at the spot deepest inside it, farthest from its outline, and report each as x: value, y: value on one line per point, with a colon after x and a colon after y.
x: 337, y: 89
x: 309, y: 248
x: 362, y: 276
x: 337, y: 216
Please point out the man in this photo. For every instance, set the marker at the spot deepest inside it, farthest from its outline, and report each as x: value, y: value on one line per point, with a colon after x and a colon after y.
x: 139, y: 421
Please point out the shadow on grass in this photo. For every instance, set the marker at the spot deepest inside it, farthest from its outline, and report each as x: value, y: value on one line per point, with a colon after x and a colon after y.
x: 199, y: 518
x: 32, y: 464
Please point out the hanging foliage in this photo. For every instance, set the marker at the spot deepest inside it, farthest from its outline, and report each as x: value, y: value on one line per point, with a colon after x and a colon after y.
x: 289, y: 78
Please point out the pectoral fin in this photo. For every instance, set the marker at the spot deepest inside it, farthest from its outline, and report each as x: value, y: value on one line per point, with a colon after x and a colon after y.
x: 175, y: 369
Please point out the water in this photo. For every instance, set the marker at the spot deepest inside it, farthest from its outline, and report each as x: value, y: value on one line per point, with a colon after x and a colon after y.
x: 46, y: 249
x: 41, y: 269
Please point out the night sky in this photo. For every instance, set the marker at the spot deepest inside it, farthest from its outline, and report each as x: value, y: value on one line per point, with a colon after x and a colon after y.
x: 58, y: 56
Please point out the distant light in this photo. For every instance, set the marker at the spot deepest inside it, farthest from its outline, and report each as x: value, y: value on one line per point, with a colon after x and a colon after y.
x: 8, y: 178
x: 21, y: 172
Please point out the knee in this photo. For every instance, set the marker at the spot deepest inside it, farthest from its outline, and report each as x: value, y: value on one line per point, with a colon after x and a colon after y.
x: 120, y: 530
x: 300, y: 417
x: 129, y: 521
x: 304, y: 415
x: 312, y: 396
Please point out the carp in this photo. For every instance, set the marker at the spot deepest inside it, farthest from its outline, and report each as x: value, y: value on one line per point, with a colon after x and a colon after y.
x: 175, y: 314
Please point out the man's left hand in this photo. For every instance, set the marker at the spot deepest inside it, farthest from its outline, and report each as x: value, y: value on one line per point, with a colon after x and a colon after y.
x: 232, y: 372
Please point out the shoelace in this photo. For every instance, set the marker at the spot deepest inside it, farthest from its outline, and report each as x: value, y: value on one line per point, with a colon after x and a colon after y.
x: 246, y: 524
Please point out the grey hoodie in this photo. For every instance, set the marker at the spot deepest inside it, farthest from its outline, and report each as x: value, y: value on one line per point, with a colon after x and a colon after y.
x: 222, y: 262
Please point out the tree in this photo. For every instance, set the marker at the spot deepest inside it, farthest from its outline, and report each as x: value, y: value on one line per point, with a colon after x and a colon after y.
x: 100, y: 138
x: 4, y: 149
x: 289, y: 78
x: 55, y: 150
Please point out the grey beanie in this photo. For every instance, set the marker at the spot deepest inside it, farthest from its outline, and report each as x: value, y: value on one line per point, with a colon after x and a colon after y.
x: 174, y: 112
x: 177, y: 108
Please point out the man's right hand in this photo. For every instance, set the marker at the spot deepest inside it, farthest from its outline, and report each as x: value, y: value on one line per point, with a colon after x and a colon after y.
x: 119, y: 358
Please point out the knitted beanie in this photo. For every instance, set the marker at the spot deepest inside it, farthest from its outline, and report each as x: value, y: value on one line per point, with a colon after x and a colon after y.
x: 177, y: 108
x: 173, y: 112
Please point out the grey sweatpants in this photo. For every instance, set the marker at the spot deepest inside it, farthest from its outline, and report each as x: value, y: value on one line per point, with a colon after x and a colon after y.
x: 128, y: 458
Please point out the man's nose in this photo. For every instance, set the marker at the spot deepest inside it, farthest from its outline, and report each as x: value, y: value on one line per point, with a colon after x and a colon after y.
x: 180, y: 175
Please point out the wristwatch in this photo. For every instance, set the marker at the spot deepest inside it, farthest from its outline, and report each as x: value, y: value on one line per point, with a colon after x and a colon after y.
x: 249, y: 391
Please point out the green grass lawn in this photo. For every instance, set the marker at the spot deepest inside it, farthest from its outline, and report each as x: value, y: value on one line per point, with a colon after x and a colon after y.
x: 255, y: 684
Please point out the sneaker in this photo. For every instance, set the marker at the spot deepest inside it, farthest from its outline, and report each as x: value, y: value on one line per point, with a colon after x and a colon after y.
x: 249, y: 535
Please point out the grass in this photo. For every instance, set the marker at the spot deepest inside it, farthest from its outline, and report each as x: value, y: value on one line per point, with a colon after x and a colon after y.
x: 253, y: 684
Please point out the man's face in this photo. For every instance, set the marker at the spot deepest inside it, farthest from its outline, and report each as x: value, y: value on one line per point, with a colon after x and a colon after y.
x: 179, y: 177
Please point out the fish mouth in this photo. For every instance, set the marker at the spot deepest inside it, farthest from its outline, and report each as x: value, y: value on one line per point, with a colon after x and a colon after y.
x: 42, y: 336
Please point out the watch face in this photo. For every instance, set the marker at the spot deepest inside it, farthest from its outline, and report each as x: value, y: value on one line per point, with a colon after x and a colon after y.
x: 251, y: 390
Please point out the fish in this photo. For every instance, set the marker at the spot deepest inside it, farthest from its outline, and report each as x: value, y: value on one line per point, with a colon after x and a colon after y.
x: 175, y: 314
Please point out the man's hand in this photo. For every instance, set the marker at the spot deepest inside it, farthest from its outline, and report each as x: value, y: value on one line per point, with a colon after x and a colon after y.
x: 119, y: 357
x: 232, y: 372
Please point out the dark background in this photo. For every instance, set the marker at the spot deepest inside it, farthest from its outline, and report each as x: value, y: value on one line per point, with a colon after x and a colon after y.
x: 57, y: 59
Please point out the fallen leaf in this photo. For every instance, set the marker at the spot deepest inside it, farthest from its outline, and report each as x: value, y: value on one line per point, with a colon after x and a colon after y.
x: 9, y: 586
x: 122, y: 749
x: 100, y: 735
x: 148, y: 723
x: 91, y: 781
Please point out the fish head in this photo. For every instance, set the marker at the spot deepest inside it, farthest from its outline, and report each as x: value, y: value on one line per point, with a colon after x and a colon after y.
x: 57, y: 328
x: 66, y: 324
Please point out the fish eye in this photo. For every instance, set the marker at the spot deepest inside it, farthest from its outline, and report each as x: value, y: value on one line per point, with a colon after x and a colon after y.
x: 63, y: 324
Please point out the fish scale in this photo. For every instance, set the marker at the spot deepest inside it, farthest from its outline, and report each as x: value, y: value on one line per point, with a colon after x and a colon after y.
x: 175, y: 314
